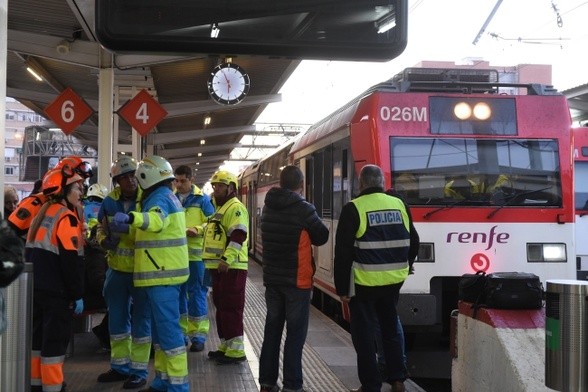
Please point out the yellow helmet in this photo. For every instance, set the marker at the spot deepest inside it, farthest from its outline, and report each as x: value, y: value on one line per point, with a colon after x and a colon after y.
x: 224, y: 177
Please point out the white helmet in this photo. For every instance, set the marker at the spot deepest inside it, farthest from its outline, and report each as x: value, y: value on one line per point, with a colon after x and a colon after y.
x: 97, y: 190
x: 152, y: 170
x: 123, y: 165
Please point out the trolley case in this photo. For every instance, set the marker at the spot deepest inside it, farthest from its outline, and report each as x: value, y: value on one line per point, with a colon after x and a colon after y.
x: 513, y: 290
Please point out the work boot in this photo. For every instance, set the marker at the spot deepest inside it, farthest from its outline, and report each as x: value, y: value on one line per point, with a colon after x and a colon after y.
x: 216, y: 354
x: 134, y: 382
x: 112, y: 376
x: 197, y: 347
x: 224, y: 360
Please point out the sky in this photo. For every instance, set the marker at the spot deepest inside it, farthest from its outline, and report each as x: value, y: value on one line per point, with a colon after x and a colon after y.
x: 523, y: 32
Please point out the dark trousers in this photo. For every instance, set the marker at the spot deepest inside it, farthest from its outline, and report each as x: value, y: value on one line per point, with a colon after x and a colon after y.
x: 228, y: 296
x: 368, y: 311
x: 288, y: 305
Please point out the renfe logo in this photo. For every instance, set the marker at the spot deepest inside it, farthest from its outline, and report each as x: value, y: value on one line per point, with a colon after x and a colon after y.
x: 479, y: 238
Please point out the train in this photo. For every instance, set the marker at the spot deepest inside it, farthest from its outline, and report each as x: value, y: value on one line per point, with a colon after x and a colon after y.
x: 486, y: 169
x: 581, y: 199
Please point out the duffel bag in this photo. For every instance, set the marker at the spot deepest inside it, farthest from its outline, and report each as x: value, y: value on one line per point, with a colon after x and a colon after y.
x: 513, y: 290
x: 471, y: 287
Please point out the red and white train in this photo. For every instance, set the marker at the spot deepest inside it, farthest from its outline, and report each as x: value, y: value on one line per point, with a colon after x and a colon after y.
x: 485, y: 166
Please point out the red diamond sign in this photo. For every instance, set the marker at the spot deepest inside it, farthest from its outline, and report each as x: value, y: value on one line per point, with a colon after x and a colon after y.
x: 68, y: 111
x: 142, y: 112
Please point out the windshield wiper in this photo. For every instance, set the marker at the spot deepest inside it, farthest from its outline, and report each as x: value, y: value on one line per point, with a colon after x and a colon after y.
x: 446, y: 206
x: 514, y: 197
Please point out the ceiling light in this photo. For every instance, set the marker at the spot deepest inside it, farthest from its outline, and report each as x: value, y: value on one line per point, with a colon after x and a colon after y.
x: 199, y: 154
x: 36, y: 75
x: 202, y: 141
x: 386, y: 23
x: 207, y: 120
x: 63, y: 47
x: 214, y: 30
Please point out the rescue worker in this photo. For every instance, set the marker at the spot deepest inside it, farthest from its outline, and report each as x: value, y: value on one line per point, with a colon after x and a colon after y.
x: 20, y: 220
x: 130, y: 341
x: 92, y: 202
x: 193, y: 296
x: 161, y: 267
x: 55, y: 247
x: 371, y: 263
x: 225, y: 255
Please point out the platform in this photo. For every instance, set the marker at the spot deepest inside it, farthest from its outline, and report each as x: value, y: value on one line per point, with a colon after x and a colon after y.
x: 329, y: 361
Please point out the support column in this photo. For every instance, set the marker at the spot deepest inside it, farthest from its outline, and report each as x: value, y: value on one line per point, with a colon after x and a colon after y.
x: 105, y: 115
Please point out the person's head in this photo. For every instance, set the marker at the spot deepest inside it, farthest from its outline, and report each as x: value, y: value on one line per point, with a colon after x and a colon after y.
x: 224, y: 185
x: 371, y: 176
x: 10, y: 199
x: 122, y: 173
x: 154, y: 170
x: 64, y: 185
x: 183, y: 179
x: 291, y: 178
x: 97, y: 192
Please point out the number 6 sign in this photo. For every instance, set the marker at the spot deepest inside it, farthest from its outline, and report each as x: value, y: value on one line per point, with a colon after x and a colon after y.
x: 142, y: 112
x: 68, y: 111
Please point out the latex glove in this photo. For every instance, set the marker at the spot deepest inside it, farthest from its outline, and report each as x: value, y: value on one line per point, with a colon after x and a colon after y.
x: 110, y: 243
x: 120, y: 223
x: 79, y: 306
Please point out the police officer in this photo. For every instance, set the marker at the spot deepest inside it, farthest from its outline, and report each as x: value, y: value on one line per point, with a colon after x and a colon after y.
x: 161, y: 266
x: 225, y: 254
x: 193, y: 297
x: 130, y: 343
x: 371, y: 262
x: 55, y: 247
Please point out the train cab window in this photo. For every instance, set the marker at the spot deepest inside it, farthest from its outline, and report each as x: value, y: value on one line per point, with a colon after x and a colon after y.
x: 319, y: 29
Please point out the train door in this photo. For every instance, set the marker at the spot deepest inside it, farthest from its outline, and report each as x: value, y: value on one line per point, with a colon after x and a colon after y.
x: 254, y: 214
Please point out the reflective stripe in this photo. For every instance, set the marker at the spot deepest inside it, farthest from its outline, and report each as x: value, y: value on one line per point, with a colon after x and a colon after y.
x: 237, y: 227
x: 234, y: 245
x: 145, y: 224
x: 124, y: 252
x: 382, y: 244
x: 52, y: 360
x: 168, y: 243
x: 144, y: 340
x: 178, y: 380
x: 379, y: 267
x: 160, y: 274
x: 120, y: 361
x: 175, y: 351
x: 121, y: 336
x: 139, y: 365
x: 194, y: 253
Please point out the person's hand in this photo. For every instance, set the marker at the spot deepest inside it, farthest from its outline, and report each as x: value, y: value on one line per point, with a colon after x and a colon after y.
x: 110, y: 243
x: 345, y: 299
x: 192, y: 232
x: 223, y: 266
x: 120, y: 223
x: 79, y: 306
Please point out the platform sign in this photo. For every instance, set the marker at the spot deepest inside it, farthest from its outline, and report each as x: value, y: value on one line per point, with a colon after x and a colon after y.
x: 142, y: 112
x: 68, y: 111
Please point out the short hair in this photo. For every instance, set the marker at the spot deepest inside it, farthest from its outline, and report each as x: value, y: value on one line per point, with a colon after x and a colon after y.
x: 291, y: 178
x: 183, y: 170
x: 371, y: 176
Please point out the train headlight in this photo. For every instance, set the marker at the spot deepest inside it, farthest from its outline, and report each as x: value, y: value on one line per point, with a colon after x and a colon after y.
x: 482, y: 111
x: 462, y: 110
x: 543, y: 253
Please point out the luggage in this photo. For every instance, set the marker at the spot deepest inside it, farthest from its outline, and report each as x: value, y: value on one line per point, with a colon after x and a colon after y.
x: 502, y: 290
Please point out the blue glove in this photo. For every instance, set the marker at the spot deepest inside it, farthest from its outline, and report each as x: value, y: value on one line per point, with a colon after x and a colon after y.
x: 120, y: 223
x: 110, y: 243
x: 79, y: 307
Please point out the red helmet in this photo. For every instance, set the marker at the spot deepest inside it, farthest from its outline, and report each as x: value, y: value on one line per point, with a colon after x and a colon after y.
x: 55, y: 180
x: 83, y: 168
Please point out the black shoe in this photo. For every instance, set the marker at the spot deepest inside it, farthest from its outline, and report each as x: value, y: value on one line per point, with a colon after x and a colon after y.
x: 150, y: 389
x: 275, y: 388
x: 216, y: 354
x: 112, y: 376
x: 224, y: 360
x: 134, y: 382
x: 197, y: 347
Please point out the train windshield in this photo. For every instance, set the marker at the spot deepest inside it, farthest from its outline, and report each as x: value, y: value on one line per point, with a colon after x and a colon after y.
x: 476, y: 172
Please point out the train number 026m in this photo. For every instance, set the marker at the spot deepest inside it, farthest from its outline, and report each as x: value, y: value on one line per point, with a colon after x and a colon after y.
x: 405, y: 114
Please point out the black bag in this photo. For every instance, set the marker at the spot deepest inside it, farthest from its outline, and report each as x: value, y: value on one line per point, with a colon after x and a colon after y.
x: 513, y: 290
x: 471, y: 287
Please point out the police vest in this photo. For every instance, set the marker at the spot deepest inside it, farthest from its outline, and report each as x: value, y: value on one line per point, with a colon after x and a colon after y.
x: 382, y: 240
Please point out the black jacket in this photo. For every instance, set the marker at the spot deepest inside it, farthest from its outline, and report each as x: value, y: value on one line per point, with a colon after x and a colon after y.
x: 289, y: 225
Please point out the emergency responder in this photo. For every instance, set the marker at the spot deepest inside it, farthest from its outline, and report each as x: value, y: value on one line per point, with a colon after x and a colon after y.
x: 20, y: 220
x: 371, y: 248
x: 225, y: 255
x: 193, y: 296
x: 55, y: 247
x: 130, y: 342
x: 92, y: 202
x: 161, y: 267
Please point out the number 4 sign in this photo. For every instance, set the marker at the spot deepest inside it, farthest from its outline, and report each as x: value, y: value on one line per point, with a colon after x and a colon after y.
x: 142, y: 112
x: 68, y: 111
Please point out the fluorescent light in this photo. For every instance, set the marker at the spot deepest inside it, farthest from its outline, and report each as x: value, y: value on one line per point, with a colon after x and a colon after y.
x: 207, y: 120
x: 386, y: 23
x: 214, y: 30
x: 36, y: 75
x: 202, y: 142
x: 199, y: 154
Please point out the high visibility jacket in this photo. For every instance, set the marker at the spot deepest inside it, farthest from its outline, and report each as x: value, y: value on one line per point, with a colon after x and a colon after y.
x: 382, y: 240
x: 57, y: 253
x: 197, y: 207
x: 21, y: 218
x: 161, y: 247
x: 123, y: 257
x: 231, y: 216
x: 91, y: 209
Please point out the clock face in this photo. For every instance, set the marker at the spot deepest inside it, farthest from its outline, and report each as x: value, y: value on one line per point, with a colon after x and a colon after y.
x: 228, y: 84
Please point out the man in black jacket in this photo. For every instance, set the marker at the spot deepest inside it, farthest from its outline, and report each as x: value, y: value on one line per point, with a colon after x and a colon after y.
x: 289, y: 226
